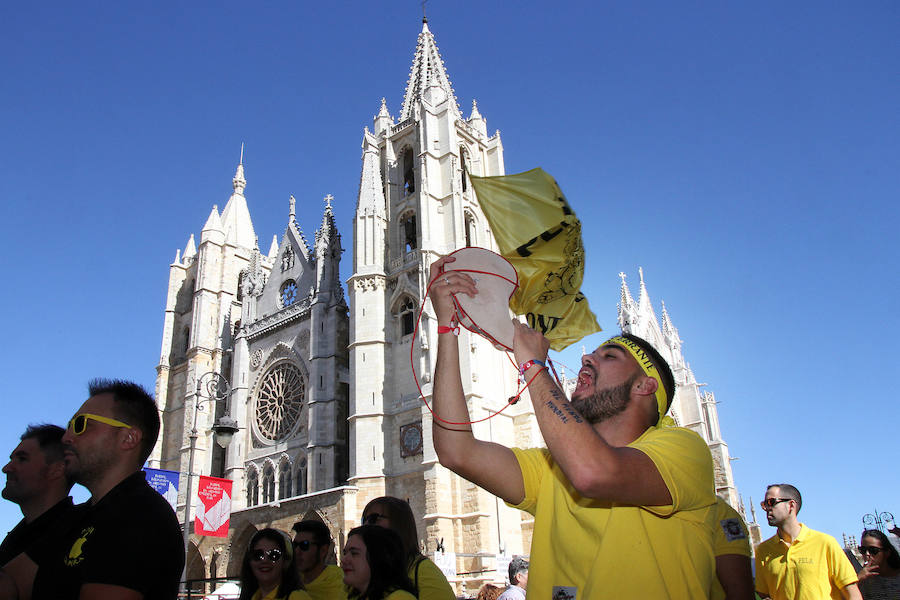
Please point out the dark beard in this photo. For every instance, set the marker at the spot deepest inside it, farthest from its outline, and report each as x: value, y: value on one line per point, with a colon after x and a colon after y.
x: 604, y: 404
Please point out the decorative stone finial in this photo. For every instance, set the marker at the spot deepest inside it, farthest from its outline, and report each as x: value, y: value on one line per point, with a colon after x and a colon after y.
x: 292, y: 212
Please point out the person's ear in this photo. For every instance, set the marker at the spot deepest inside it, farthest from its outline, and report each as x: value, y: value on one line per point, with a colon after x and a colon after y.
x: 647, y: 386
x: 132, y: 438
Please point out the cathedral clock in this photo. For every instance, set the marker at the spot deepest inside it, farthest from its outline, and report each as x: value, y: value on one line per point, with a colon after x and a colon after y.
x: 411, y: 439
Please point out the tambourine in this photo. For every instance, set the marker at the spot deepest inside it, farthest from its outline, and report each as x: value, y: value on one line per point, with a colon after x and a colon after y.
x: 487, y: 313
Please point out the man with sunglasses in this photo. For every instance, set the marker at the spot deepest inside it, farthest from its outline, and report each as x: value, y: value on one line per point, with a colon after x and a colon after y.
x: 36, y: 480
x: 623, y: 503
x: 312, y: 547
x: 127, y: 543
x: 798, y: 563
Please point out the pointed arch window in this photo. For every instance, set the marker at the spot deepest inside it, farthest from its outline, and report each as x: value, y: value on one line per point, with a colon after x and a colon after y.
x: 406, y: 313
x: 408, y: 239
x: 471, y: 232
x: 284, y: 480
x: 252, y: 488
x: 409, y: 177
x: 268, y: 484
x: 464, y: 164
x: 301, y: 477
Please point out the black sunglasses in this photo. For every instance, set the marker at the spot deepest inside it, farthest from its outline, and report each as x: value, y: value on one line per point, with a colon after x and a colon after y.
x: 273, y: 554
x: 771, y: 502
x: 303, y: 545
x: 372, y: 518
x: 873, y: 550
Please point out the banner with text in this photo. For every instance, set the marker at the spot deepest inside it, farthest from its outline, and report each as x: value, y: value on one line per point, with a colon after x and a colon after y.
x: 213, y: 507
x: 164, y: 482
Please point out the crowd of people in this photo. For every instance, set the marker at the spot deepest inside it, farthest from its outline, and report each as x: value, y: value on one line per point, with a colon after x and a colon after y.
x: 623, y: 501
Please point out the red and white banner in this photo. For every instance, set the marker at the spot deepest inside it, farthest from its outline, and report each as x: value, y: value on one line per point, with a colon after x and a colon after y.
x: 213, y: 507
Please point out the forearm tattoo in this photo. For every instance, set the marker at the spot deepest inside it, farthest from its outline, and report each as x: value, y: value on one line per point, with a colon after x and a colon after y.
x: 566, y: 409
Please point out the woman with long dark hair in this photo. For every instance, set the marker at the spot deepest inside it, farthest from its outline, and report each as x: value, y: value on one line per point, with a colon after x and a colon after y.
x: 267, y: 571
x: 374, y: 565
x: 396, y: 515
x: 879, y: 579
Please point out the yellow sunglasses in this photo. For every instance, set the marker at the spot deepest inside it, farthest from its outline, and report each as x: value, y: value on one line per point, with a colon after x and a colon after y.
x: 79, y: 422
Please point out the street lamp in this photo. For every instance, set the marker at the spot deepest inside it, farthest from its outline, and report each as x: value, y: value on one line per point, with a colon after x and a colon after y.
x: 217, y: 388
x: 877, y: 520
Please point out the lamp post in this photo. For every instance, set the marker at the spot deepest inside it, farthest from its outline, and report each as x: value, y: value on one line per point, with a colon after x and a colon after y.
x: 217, y: 388
x: 877, y: 520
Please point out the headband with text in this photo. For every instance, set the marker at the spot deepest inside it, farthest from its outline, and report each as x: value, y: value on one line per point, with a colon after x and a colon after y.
x: 646, y: 363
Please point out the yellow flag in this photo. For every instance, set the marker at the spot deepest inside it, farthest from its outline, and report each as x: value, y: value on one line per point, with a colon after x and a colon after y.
x: 537, y: 231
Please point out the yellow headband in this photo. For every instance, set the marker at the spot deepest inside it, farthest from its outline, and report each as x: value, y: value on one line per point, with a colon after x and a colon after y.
x: 646, y: 363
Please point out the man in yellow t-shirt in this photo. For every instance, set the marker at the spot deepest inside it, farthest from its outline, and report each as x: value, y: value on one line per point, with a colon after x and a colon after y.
x: 312, y: 548
x: 623, y: 504
x: 731, y: 544
x: 798, y: 563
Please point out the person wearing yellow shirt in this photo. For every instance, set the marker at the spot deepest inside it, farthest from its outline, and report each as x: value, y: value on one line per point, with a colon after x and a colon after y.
x: 623, y: 503
x: 267, y: 571
x: 374, y: 565
x: 312, y: 548
x: 731, y: 542
x: 798, y: 563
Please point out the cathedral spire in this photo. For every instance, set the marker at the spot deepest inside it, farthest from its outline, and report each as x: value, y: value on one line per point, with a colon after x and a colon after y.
x: 191, y: 248
x: 239, y: 182
x: 236, y: 222
x: 427, y: 74
x: 273, y: 249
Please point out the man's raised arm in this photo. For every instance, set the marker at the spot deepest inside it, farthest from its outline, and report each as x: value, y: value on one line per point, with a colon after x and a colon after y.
x: 486, y: 464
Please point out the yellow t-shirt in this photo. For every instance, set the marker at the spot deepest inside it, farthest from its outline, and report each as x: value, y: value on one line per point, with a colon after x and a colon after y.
x: 329, y: 585
x: 585, y: 549
x: 811, y: 568
x: 400, y: 595
x: 433, y: 585
x: 295, y: 595
x: 730, y: 536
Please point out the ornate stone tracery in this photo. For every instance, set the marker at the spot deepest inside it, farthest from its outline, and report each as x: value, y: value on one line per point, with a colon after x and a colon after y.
x: 279, y: 401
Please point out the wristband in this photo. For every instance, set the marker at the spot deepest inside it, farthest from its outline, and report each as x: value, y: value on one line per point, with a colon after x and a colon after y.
x: 528, y: 364
x: 454, y: 328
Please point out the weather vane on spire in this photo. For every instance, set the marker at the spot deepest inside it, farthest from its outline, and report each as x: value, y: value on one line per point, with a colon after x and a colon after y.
x: 424, y: 16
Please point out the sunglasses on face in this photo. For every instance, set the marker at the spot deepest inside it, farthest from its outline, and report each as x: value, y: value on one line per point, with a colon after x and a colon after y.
x: 303, y: 545
x: 79, y: 422
x: 873, y: 550
x: 372, y: 518
x: 273, y: 555
x: 771, y: 502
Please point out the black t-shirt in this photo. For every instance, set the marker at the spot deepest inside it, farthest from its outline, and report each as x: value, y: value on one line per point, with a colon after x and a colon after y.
x: 130, y: 538
x: 51, y: 521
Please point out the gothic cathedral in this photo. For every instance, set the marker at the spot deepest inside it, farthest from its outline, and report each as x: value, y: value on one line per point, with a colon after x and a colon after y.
x: 328, y: 394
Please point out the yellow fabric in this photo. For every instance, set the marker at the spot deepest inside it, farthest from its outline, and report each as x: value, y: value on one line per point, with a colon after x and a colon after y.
x: 537, y: 231
x: 813, y: 567
x: 600, y: 550
x: 433, y: 584
x: 329, y: 585
x: 400, y: 595
x: 646, y: 363
x: 730, y: 536
x: 295, y: 595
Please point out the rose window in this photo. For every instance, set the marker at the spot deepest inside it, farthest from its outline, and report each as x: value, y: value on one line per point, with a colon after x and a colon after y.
x: 288, y: 293
x: 280, y: 401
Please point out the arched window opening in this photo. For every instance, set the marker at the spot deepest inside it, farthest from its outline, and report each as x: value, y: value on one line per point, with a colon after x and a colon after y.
x: 471, y: 235
x: 268, y: 484
x: 185, y: 340
x: 408, y: 238
x: 407, y: 314
x: 409, y: 178
x: 284, y: 481
x: 464, y: 164
x: 240, y: 286
x: 252, y: 489
x: 301, y: 477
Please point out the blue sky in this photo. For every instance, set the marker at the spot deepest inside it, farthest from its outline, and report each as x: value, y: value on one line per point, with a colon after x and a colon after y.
x: 745, y: 156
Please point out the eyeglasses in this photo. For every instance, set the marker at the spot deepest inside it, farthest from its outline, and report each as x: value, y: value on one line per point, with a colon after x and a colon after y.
x: 873, y: 550
x: 304, y: 545
x: 273, y: 554
x: 771, y: 502
x: 372, y: 518
x: 79, y: 422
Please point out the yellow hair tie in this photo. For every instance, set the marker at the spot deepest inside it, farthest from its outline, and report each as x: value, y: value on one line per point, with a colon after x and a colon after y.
x: 646, y: 363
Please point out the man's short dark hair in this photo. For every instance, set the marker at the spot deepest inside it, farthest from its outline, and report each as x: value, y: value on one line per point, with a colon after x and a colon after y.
x: 133, y: 405
x: 49, y: 438
x: 665, y: 372
x: 517, y: 565
x: 318, y: 529
x: 788, y: 491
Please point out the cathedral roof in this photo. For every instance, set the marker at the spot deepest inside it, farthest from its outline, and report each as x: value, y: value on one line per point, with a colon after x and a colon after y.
x: 427, y: 71
x: 236, y: 222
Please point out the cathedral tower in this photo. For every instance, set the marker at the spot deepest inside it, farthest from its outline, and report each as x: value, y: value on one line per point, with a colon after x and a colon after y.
x: 415, y: 203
